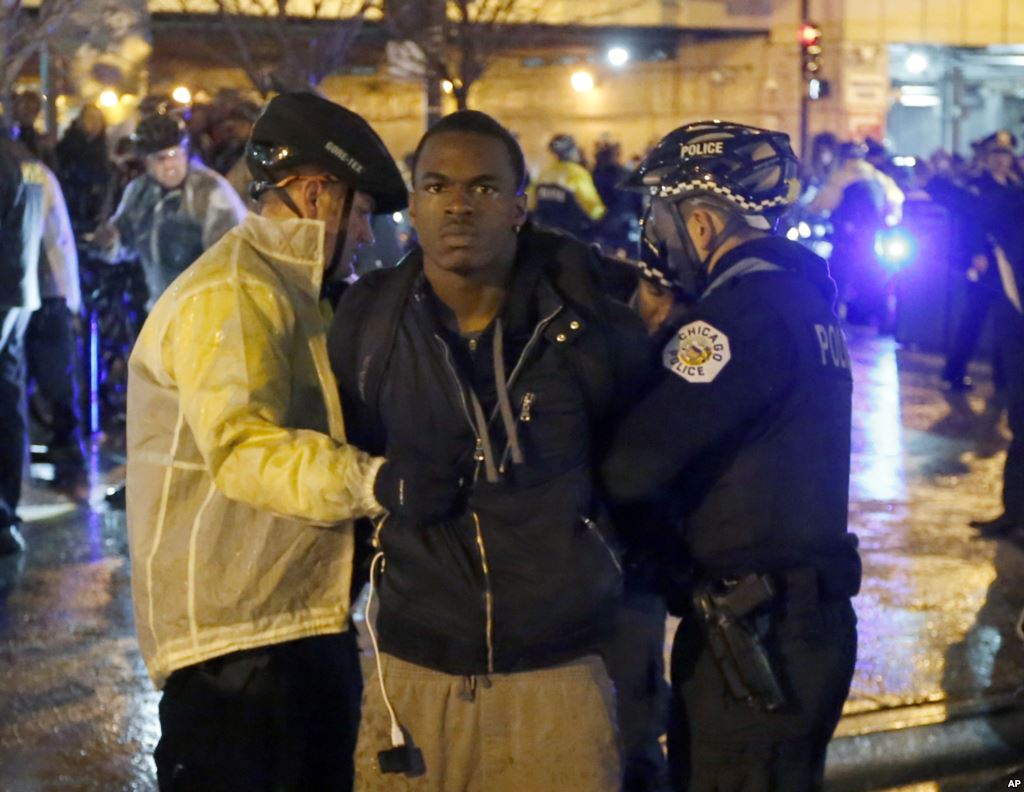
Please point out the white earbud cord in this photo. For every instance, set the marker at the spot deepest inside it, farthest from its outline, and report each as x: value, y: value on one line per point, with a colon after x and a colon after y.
x: 397, y: 737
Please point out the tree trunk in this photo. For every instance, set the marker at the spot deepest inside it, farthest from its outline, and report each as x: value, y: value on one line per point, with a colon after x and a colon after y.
x: 436, y: 11
x: 434, y: 109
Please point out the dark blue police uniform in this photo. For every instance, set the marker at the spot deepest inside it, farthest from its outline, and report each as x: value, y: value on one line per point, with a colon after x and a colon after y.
x: 748, y: 429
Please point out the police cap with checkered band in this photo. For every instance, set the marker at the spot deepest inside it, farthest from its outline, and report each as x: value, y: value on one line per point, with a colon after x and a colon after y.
x: 753, y: 170
x: 298, y: 129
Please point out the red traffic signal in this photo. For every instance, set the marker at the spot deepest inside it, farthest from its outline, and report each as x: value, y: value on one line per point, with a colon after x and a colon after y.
x: 810, y: 45
x: 810, y: 35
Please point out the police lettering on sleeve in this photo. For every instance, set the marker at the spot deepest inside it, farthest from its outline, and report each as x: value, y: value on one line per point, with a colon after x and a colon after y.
x: 832, y: 346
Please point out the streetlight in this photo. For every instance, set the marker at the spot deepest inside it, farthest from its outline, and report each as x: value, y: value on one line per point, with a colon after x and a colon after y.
x: 917, y: 63
x: 582, y: 81
x: 181, y: 95
x: 108, y: 98
x: 618, y: 56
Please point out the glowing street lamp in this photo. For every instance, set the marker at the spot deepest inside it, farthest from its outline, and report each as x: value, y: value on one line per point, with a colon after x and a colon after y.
x: 582, y: 81
x: 917, y: 63
x: 181, y: 95
x: 618, y: 56
x: 108, y: 98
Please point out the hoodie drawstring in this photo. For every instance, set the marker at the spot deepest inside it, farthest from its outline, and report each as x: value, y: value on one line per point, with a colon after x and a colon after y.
x: 483, y: 439
x: 504, y: 402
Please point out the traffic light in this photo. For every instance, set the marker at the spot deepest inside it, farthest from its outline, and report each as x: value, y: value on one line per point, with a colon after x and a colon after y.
x: 810, y: 45
x: 810, y: 42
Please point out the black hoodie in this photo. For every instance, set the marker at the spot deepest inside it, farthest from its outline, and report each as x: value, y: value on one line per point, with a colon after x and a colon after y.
x: 748, y: 427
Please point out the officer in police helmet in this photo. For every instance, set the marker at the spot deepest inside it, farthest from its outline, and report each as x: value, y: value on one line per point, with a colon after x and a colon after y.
x: 747, y: 433
x: 239, y: 472
x: 294, y: 135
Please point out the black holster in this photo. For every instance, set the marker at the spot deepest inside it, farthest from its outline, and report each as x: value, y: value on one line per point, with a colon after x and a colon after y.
x: 735, y: 616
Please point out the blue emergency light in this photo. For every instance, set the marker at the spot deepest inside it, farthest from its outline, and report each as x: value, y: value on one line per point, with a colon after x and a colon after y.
x: 895, y: 248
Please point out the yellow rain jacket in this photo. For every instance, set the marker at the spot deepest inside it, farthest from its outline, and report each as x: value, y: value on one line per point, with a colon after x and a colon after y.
x: 241, y: 489
x: 574, y: 178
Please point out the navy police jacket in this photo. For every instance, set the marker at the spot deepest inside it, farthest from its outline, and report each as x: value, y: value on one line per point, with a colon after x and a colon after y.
x: 525, y: 574
x: 748, y: 426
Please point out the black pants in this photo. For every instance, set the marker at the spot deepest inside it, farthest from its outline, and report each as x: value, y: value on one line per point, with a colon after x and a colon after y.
x: 13, y: 435
x: 719, y: 744
x: 51, y: 355
x: 1010, y: 337
x: 635, y: 661
x: 280, y: 718
x: 978, y: 300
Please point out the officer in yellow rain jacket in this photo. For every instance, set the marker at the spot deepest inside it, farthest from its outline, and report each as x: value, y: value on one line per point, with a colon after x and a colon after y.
x: 564, y: 195
x: 241, y: 488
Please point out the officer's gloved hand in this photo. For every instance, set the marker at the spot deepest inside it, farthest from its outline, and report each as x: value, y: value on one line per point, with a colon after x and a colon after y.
x: 417, y: 491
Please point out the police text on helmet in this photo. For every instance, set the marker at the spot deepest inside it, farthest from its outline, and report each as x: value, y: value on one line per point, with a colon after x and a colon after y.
x: 704, y: 149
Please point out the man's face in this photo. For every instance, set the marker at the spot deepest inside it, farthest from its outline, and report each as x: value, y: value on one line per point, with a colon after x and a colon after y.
x: 999, y: 163
x: 92, y: 121
x: 653, y: 303
x: 464, y: 205
x: 169, y: 167
x: 359, y: 233
x: 662, y: 229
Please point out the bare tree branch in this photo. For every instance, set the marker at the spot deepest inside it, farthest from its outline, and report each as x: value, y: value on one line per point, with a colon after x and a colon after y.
x: 22, y: 32
x: 462, y: 45
x: 282, y: 49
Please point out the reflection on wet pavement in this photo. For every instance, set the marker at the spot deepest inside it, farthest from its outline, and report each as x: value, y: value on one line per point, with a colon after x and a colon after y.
x: 77, y: 710
x: 937, y: 605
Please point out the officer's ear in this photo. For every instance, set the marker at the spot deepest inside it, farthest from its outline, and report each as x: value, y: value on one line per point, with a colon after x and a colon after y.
x: 311, y: 196
x: 703, y: 226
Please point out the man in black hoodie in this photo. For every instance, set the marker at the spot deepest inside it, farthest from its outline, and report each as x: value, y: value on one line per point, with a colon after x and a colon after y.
x: 488, y: 363
x: 748, y: 431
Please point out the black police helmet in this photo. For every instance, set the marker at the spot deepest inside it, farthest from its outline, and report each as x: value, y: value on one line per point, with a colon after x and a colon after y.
x: 753, y: 170
x: 298, y: 129
x: 158, y: 132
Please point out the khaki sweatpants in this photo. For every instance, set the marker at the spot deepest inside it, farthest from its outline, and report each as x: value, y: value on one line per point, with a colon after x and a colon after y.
x: 549, y: 730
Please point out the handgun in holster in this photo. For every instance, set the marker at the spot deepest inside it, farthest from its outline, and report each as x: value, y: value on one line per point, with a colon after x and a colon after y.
x: 730, y: 611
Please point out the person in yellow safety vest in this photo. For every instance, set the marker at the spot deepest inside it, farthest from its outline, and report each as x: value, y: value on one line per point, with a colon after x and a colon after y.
x: 564, y: 195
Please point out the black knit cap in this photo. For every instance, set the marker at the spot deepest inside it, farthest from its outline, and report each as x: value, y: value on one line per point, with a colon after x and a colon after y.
x: 305, y: 129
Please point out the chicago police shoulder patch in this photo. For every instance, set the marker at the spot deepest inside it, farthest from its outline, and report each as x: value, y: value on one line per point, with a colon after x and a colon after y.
x: 698, y: 352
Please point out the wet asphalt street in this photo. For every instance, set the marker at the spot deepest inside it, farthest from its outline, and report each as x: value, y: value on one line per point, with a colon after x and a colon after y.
x: 77, y: 710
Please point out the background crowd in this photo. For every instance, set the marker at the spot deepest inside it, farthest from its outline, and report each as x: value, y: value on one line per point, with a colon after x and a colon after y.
x: 77, y: 342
